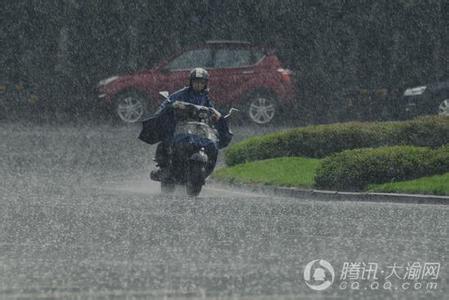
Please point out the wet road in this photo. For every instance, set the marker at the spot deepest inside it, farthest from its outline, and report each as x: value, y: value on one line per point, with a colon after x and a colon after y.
x: 126, y: 239
x: 83, y: 238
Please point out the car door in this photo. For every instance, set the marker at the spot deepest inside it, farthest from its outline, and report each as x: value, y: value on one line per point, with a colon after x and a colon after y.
x: 176, y: 72
x: 232, y: 70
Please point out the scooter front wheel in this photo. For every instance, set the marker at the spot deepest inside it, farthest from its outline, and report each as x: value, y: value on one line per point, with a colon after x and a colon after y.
x: 167, y: 187
x: 195, y: 179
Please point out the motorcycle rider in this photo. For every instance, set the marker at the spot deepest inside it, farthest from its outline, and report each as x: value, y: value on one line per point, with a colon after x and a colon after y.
x: 196, y: 93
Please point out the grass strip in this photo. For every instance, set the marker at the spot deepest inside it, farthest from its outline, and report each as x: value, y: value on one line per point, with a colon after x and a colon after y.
x: 433, y: 185
x: 284, y: 171
x: 300, y: 172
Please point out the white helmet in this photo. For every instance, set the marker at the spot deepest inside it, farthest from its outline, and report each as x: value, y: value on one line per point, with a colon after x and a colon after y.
x: 199, y: 73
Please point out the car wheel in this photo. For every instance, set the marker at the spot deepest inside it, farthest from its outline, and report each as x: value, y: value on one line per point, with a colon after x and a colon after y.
x: 130, y: 107
x: 262, y: 108
x: 443, y: 108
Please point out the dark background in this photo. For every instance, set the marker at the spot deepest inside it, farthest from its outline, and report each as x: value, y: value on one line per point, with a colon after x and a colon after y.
x: 59, y: 50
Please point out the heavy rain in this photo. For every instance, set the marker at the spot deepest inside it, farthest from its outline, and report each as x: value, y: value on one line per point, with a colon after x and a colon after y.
x: 83, y: 215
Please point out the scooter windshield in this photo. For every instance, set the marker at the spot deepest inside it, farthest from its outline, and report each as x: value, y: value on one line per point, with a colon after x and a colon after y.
x: 197, y: 128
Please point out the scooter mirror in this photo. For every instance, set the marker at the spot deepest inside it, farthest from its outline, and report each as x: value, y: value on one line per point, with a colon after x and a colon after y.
x: 164, y: 94
x: 230, y: 112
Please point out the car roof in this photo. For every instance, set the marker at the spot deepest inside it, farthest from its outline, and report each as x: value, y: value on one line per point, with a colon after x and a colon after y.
x: 228, y: 42
x: 233, y: 44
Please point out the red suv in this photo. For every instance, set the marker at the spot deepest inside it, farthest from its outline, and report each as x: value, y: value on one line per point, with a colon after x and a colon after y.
x: 240, y: 75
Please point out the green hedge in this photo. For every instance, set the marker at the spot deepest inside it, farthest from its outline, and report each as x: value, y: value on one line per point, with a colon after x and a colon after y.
x: 322, y: 140
x: 355, y: 169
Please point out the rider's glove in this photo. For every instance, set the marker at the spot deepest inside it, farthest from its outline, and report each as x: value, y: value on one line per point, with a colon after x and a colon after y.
x: 216, y: 115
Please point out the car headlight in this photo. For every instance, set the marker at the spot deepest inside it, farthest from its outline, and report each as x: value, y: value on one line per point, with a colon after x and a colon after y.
x: 415, y: 91
x: 107, y: 80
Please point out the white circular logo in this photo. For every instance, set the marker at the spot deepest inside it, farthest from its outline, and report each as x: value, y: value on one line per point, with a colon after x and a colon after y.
x: 319, y: 277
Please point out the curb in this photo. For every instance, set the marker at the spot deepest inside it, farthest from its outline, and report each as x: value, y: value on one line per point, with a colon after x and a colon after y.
x: 323, y: 195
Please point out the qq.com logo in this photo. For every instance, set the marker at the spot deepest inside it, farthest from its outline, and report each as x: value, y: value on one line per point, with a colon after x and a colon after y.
x: 319, y: 274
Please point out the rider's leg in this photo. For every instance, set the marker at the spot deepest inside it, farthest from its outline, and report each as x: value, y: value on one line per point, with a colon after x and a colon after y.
x: 162, y: 159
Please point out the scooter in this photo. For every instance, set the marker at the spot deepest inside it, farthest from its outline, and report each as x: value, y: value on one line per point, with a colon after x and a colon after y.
x: 194, y: 146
